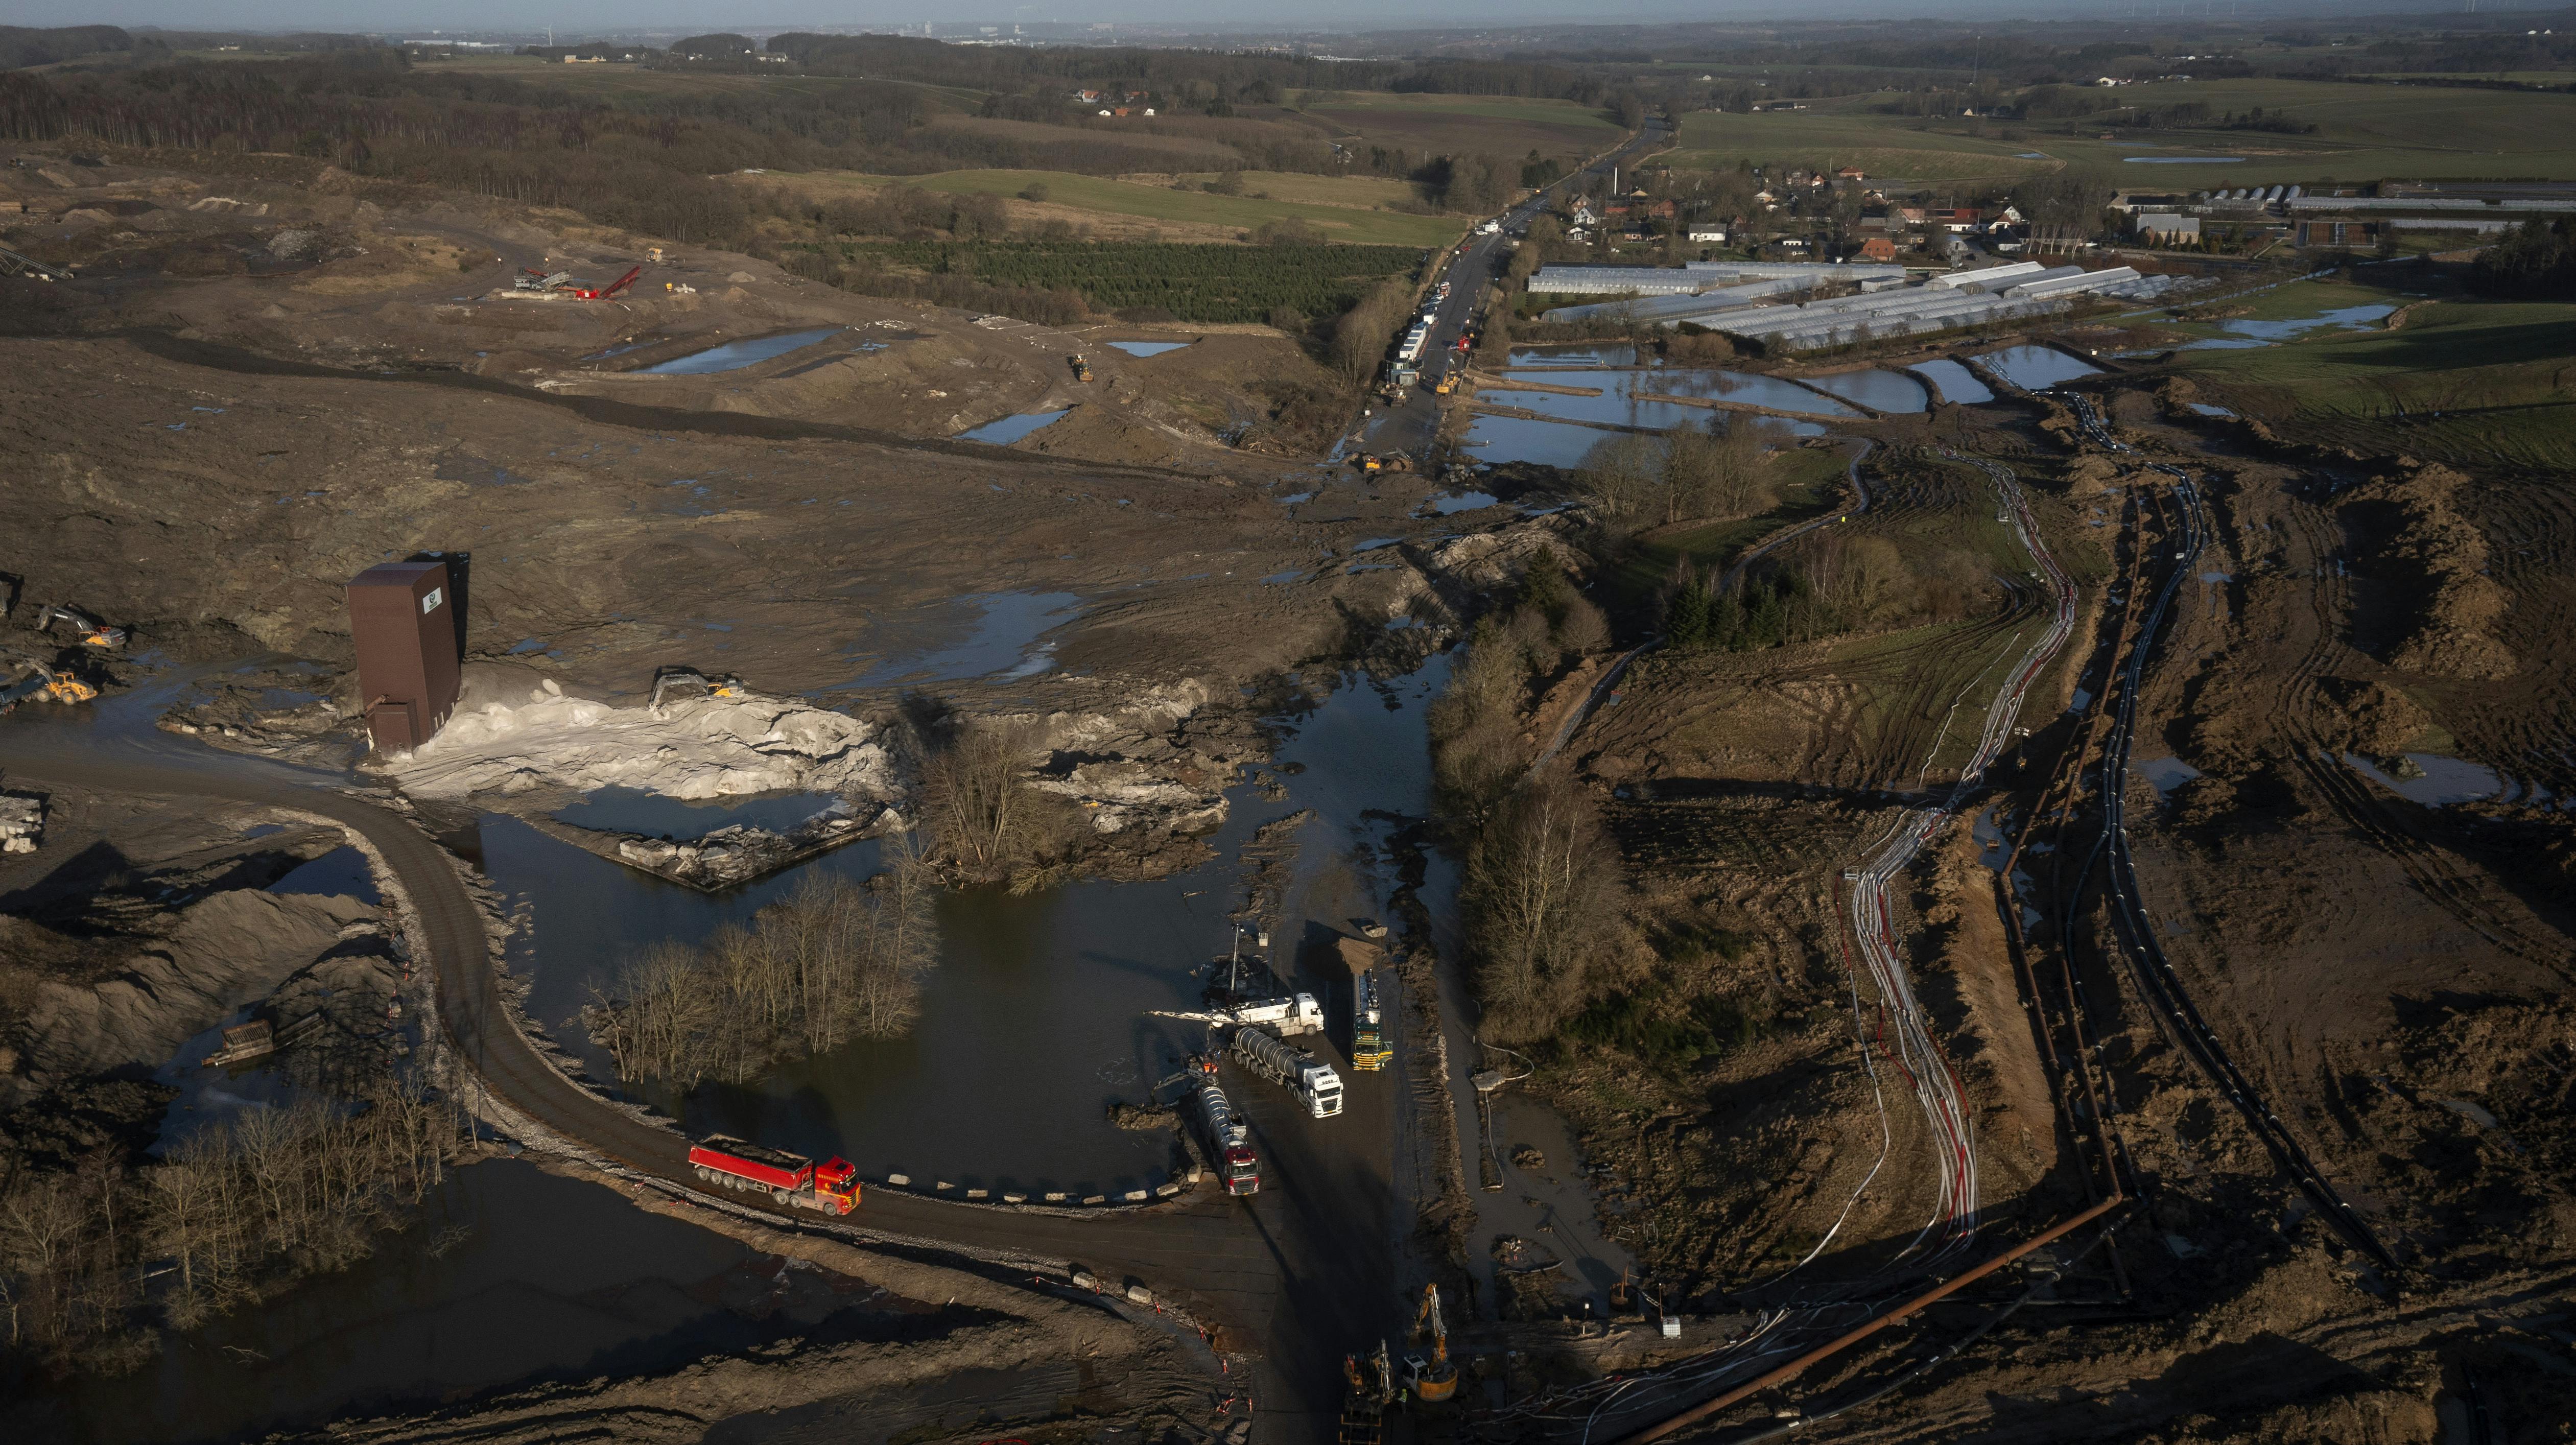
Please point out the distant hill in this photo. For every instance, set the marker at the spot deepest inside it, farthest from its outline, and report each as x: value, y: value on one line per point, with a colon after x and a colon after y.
x: 21, y: 47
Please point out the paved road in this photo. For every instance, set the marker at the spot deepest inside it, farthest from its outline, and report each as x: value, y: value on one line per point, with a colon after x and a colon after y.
x: 1413, y: 426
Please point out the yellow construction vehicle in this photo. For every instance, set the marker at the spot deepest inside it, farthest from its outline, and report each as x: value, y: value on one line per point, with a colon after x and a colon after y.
x: 93, y: 633
x: 1369, y: 462
x: 1435, y: 1379
x: 46, y: 684
x: 1081, y: 368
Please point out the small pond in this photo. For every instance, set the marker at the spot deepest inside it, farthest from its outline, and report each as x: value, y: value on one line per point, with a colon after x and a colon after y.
x: 986, y: 635
x: 1009, y: 429
x: 657, y: 815
x: 2245, y: 333
x: 735, y: 355
x: 1875, y: 389
x: 1956, y: 383
x: 1554, y: 356
x: 2166, y: 774
x: 2036, y: 368
x: 1632, y: 398
x: 1498, y: 439
x: 1148, y: 348
x: 2443, y: 780
x: 2202, y: 408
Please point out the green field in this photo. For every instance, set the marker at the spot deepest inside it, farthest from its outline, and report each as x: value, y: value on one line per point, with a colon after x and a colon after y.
x: 1882, y: 145
x: 2473, y: 382
x: 1194, y: 208
x: 1208, y: 283
x: 2365, y: 133
x: 1359, y: 193
x: 1528, y: 110
x: 622, y: 81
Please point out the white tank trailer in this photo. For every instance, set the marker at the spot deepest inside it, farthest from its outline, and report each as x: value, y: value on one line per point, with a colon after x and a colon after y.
x: 1314, y: 1083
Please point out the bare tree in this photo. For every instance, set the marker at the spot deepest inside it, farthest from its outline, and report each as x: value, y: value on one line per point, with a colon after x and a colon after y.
x: 1541, y: 897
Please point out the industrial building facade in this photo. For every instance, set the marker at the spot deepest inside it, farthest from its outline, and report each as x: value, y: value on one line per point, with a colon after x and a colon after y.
x: 405, y: 618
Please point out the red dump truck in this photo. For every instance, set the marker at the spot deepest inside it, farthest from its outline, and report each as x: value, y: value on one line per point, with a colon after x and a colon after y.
x: 831, y: 1186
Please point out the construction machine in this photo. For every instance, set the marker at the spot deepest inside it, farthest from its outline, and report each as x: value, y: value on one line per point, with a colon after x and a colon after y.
x: 532, y: 279
x: 1435, y: 1379
x: 607, y: 292
x: 1081, y: 368
x: 688, y: 677
x: 92, y: 632
x: 1371, y: 1388
x: 43, y: 682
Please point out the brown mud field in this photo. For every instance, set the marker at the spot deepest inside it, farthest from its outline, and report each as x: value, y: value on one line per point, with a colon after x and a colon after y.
x: 2254, y: 929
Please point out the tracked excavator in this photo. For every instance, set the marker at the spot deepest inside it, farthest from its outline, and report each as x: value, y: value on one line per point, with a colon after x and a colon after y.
x: 92, y: 632
x: 1435, y: 1379
x: 1371, y: 1389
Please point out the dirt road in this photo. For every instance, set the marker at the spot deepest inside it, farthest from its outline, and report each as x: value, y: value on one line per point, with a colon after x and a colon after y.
x: 1285, y: 1274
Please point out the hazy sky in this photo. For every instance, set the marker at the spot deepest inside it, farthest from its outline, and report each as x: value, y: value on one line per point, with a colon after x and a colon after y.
x: 772, y: 16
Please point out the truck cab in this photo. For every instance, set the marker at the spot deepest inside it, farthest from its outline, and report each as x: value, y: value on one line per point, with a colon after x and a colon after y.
x: 1319, y: 1088
x: 836, y: 1185
x: 1241, y: 1171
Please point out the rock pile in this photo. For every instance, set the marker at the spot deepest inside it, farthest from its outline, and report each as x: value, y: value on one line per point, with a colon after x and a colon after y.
x: 744, y: 851
x: 22, y: 823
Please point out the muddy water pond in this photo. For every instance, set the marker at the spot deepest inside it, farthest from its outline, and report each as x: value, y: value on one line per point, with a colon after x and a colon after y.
x: 1877, y: 390
x: 512, y: 1276
x: 1041, y: 1011
x: 735, y: 355
x: 1630, y: 398
x: 2036, y: 368
x: 1956, y: 383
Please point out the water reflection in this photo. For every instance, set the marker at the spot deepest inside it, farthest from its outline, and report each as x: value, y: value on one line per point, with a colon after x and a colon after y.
x: 735, y: 355
x: 1957, y: 384
x: 514, y: 1275
x: 1053, y: 989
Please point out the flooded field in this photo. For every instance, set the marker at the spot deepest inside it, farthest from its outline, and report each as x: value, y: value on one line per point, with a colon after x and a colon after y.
x: 1057, y: 986
x: 1877, y: 390
x: 1956, y: 383
x: 513, y: 1276
x: 2036, y: 368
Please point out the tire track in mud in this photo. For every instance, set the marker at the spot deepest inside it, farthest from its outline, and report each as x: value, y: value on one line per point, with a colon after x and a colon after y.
x: 2158, y: 982
x: 2465, y: 898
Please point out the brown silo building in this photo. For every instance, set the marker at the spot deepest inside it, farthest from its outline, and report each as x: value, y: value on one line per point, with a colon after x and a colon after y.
x: 403, y: 617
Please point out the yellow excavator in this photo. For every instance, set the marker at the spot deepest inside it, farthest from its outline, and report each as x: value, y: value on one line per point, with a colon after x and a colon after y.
x: 1435, y: 1379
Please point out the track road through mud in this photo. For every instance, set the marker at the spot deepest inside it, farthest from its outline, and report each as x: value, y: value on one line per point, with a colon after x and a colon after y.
x: 1261, y: 1272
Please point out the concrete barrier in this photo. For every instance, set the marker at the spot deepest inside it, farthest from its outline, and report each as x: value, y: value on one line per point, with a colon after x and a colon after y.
x: 900, y: 1181
x: 1058, y: 1197
x: 1137, y: 1196
x: 1096, y: 1199
x: 1166, y: 1191
x: 1138, y: 1294
x: 979, y: 1194
x: 1015, y: 1199
x: 1085, y: 1279
x: 943, y: 1185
